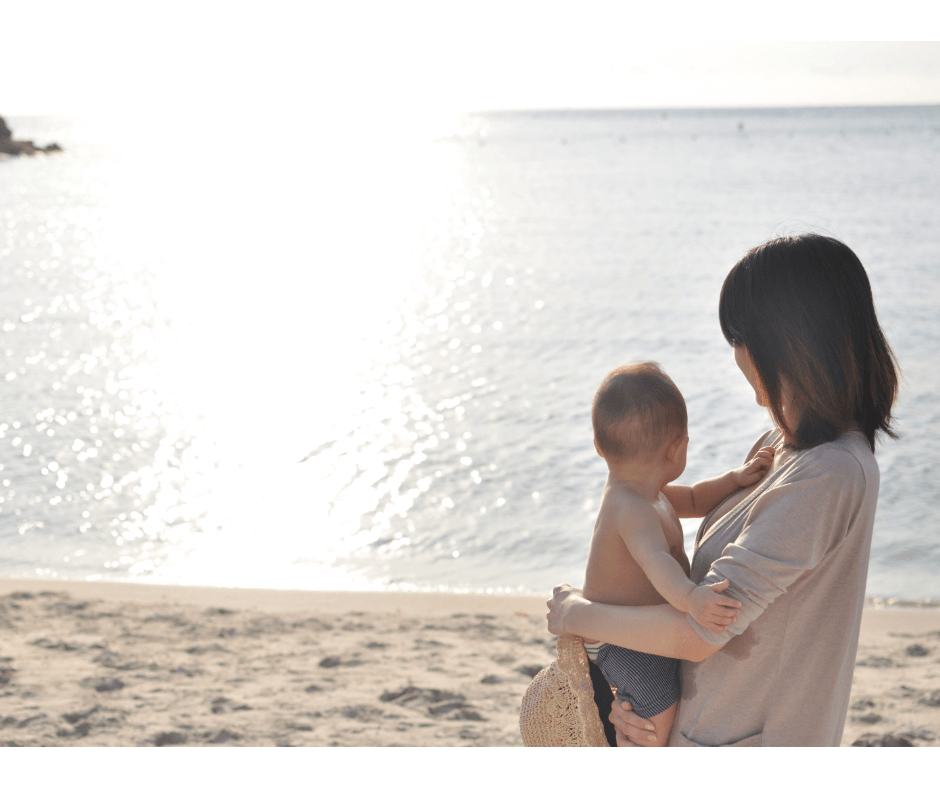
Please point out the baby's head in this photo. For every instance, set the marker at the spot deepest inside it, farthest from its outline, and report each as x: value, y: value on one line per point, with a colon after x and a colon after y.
x: 637, y: 414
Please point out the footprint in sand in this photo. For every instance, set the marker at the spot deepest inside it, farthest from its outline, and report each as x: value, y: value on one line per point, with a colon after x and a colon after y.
x: 875, y: 662
x: 440, y: 703
x: 79, y: 731
x: 66, y: 608
x: 169, y: 738
x: 55, y: 645
x: 313, y: 623
x: 103, y: 684
x: 78, y: 716
x: 925, y: 734
x: 886, y: 740
x: 221, y: 737
x: 219, y: 705
x: 933, y: 699
x: 31, y: 720
x: 222, y: 705
x: 199, y: 650
x: 360, y: 712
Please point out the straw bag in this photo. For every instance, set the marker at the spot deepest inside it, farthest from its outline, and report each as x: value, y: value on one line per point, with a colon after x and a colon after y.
x: 558, y: 708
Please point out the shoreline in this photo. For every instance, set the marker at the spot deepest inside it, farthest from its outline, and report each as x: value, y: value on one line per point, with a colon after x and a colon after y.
x: 86, y: 663
x: 289, y: 598
x: 285, y: 600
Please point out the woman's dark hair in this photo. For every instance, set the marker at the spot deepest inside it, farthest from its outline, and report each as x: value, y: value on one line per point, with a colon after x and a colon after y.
x: 802, y: 308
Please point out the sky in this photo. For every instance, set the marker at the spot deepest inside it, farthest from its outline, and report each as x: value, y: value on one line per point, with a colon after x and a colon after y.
x: 233, y: 62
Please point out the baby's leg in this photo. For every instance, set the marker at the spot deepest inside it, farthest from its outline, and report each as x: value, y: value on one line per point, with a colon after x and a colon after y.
x: 663, y: 723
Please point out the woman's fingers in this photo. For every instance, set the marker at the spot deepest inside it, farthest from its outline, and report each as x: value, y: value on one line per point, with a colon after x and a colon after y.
x: 635, y: 719
x: 630, y: 726
x: 623, y: 741
x: 557, y: 605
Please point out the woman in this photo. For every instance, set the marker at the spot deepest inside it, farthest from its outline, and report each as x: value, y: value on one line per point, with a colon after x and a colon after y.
x: 799, y: 315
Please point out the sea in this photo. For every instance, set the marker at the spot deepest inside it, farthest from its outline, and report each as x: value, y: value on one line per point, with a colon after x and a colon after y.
x: 361, y: 354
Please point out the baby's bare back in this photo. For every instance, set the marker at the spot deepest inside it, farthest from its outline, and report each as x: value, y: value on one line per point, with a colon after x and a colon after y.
x: 612, y: 574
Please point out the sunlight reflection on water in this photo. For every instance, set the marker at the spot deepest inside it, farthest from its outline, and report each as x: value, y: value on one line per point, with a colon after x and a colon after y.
x: 195, y: 357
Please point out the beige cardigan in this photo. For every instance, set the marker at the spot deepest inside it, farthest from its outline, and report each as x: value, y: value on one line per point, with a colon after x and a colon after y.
x: 795, y: 549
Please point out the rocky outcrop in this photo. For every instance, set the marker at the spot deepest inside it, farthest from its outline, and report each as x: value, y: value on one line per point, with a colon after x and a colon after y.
x: 12, y: 147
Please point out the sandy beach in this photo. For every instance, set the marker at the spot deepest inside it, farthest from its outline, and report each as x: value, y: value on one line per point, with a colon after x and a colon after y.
x: 109, y: 664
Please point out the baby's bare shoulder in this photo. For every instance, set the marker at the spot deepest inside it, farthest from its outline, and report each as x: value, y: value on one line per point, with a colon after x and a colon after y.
x: 624, y: 508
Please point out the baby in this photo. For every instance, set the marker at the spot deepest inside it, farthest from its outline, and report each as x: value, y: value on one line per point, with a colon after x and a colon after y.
x: 637, y: 555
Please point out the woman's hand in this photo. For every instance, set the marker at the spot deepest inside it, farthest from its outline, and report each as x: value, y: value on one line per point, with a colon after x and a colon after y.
x: 632, y: 730
x: 560, y: 606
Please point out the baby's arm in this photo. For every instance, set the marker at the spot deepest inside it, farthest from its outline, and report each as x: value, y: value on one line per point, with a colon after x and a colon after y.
x: 642, y: 533
x: 699, y: 499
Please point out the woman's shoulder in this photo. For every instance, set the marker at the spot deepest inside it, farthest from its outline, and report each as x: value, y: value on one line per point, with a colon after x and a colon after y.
x: 849, y: 457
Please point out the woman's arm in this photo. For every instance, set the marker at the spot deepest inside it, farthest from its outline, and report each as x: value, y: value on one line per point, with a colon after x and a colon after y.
x: 654, y: 629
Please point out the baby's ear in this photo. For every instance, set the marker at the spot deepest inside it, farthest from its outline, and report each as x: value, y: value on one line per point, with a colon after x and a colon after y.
x: 676, y: 446
x: 598, y: 448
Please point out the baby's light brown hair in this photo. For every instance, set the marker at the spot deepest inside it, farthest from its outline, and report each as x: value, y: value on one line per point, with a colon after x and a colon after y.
x: 637, y: 410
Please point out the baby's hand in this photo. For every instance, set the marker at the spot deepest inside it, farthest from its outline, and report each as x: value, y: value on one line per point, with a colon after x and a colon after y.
x: 712, y: 610
x: 754, y: 470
